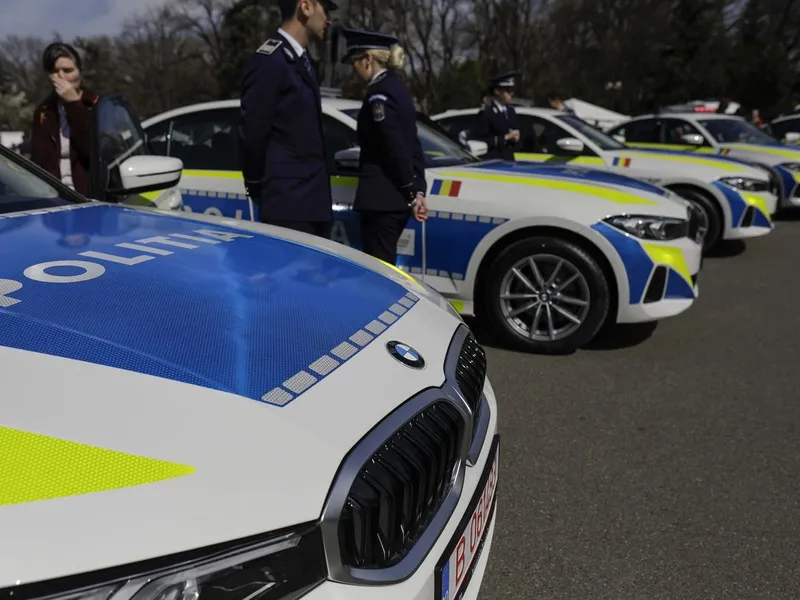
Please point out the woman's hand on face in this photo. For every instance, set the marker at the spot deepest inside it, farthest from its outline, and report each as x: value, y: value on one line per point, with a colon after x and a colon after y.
x: 64, y: 89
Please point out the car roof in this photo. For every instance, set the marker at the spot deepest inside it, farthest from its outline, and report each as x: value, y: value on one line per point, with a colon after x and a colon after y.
x: 786, y: 118
x: 334, y: 103
x: 527, y: 110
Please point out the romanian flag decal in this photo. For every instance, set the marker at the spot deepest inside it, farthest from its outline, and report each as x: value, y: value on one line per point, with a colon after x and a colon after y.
x: 622, y: 162
x: 446, y: 188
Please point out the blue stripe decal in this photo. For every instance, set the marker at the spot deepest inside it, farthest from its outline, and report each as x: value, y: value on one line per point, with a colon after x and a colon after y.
x: 677, y: 287
x: 735, y: 201
x: 437, y: 187
x: 638, y: 265
x: 452, y: 237
x: 574, y: 172
x: 212, y: 306
x: 761, y: 220
x: 787, y: 180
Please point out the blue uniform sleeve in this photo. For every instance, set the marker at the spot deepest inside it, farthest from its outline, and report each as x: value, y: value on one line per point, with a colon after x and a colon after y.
x: 383, y: 111
x: 484, y: 131
x: 262, y: 81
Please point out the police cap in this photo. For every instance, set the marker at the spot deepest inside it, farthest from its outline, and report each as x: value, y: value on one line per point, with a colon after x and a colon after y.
x: 507, y: 80
x: 359, y: 41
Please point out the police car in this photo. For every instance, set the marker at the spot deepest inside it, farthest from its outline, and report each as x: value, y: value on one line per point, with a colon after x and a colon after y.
x: 195, y: 407
x: 720, y: 134
x: 786, y: 129
x: 733, y: 197
x: 547, y: 257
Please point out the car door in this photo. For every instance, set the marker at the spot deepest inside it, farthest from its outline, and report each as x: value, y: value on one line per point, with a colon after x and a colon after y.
x: 206, y: 141
x: 642, y: 133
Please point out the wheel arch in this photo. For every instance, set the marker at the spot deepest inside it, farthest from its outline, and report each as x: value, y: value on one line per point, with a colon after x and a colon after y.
x: 617, y: 281
x: 710, y: 193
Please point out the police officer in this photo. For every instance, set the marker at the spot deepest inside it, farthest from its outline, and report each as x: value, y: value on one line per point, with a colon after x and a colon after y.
x: 497, y: 120
x: 282, y: 148
x: 391, y: 184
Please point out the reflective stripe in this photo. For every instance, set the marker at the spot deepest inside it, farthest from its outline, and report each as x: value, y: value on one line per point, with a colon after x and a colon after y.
x: 581, y: 160
x: 336, y: 180
x: 458, y: 305
x: 757, y: 202
x: 403, y: 273
x: 688, y: 158
x: 778, y: 151
x: 596, y: 191
x: 671, y: 256
x: 38, y: 467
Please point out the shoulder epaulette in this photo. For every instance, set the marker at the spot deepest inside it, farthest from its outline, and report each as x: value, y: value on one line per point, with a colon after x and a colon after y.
x: 269, y: 46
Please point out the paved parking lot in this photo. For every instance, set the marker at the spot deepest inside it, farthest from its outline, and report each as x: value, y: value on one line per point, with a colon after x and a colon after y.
x: 668, y: 469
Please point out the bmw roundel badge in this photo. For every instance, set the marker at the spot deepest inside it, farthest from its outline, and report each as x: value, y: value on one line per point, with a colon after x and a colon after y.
x: 405, y: 354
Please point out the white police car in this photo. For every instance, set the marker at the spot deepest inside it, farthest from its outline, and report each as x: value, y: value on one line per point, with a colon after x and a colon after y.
x: 196, y: 407
x: 547, y: 255
x: 720, y: 134
x: 732, y: 196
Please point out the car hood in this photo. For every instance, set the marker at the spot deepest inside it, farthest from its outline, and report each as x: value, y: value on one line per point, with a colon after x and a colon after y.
x: 172, y: 383
x: 595, y: 188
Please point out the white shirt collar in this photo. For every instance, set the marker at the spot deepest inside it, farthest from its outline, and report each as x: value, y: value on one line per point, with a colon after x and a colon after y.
x: 374, y: 77
x: 298, y: 49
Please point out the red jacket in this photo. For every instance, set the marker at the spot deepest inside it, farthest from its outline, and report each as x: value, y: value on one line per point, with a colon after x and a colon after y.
x: 46, y: 139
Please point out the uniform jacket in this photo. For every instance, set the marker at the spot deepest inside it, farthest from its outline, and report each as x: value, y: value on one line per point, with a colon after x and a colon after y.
x: 46, y: 138
x: 282, y: 148
x: 392, y: 164
x: 493, y: 125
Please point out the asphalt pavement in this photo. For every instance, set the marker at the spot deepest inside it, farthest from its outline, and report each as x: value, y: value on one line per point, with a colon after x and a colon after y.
x: 662, y: 463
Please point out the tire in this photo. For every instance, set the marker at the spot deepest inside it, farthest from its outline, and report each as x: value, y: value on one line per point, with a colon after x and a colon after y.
x: 715, y: 222
x: 547, y: 252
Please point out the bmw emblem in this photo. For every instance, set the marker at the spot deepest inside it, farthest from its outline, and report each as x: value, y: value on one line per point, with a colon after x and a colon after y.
x: 405, y: 354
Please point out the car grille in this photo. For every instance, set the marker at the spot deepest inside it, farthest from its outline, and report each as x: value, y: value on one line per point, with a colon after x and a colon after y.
x: 400, y: 488
x: 471, y: 372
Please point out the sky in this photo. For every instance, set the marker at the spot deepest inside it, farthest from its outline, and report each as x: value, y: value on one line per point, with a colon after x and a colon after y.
x: 68, y: 18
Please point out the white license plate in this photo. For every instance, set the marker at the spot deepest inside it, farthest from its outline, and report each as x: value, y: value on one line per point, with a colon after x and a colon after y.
x: 463, y: 551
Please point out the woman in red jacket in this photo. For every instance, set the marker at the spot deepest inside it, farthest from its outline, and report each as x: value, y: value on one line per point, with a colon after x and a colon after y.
x: 61, y: 136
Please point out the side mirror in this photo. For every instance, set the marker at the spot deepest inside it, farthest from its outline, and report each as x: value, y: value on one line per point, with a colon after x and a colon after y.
x: 348, y: 159
x: 146, y: 173
x: 792, y: 137
x: 619, y: 138
x: 570, y: 144
x: 477, y: 147
x: 693, y: 139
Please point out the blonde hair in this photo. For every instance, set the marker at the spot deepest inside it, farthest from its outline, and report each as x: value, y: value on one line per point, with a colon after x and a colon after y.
x: 394, y: 58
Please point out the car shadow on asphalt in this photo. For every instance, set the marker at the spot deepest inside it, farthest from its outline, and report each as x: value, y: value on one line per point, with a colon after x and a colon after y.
x: 615, y: 337
x: 727, y: 249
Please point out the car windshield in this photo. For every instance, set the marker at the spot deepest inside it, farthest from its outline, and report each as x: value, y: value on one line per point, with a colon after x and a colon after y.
x: 605, y: 142
x: 22, y: 189
x: 440, y: 150
x: 730, y: 131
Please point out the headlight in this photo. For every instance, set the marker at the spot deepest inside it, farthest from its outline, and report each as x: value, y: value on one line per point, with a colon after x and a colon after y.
x: 790, y: 166
x: 746, y: 184
x: 649, y: 227
x: 281, y: 568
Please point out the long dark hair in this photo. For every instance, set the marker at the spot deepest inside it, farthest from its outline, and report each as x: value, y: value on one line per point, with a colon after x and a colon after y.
x: 58, y: 50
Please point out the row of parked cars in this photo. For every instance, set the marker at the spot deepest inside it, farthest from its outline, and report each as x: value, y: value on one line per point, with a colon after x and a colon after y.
x: 232, y: 399
x: 584, y: 230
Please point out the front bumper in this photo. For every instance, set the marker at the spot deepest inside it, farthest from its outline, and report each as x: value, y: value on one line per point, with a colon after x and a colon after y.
x: 468, y: 517
x: 656, y: 280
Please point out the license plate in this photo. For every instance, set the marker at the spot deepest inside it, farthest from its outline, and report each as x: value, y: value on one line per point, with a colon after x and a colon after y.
x: 458, y: 562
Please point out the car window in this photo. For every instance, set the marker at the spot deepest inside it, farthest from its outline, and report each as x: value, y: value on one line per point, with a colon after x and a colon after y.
x: 22, y: 189
x: 119, y: 134
x: 206, y: 140
x: 780, y: 129
x: 675, y: 129
x: 644, y: 131
x: 540, y: 136
x: 338, y: 136
x: 603, y: 140
x: 460, y: 128
x: 731, y: 131
x: 158, y: 137
x: 439, y: 150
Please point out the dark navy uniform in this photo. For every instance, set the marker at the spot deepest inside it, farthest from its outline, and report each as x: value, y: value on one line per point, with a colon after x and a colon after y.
x: 392, y: 164
x: 282, y: 147
x: 495, y: 120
